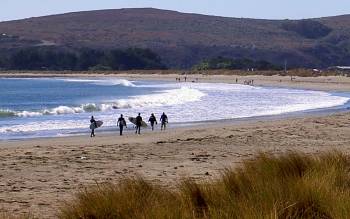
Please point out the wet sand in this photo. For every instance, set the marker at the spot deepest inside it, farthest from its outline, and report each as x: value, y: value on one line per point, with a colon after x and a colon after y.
x: 37, y: 175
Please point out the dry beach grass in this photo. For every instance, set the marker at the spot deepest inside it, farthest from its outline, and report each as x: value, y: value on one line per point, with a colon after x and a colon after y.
x: 288, y: 186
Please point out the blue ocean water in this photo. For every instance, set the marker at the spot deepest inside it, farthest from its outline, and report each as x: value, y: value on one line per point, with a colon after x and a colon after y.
x: 44, y: 107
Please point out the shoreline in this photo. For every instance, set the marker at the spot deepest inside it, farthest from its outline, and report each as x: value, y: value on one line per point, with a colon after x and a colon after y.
x: 195, y: 124
x: 109, y: 131
x: 318, y: 83
x: 213, y: 79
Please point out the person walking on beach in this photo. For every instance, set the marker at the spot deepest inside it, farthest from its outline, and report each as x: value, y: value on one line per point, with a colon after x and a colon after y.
x: 93, y: 126
x: 138, y: 124
x: 121, y: 123
x: 152, y: 119
x: 164, y: 121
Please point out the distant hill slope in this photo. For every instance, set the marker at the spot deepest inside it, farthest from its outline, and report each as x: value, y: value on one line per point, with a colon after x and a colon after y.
x: 183, y: 40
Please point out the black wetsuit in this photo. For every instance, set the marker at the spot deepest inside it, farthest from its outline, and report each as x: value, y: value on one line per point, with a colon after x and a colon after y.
x: 138, y: 124
x: 152, y: 120
x: 121, y: 123
x: 93, y: 129
x: 164, y: 120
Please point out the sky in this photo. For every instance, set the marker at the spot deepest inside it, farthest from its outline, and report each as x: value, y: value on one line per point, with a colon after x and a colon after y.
x: 267, y: 9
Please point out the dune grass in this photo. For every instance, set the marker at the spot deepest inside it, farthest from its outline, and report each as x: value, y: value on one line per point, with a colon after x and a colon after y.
x: 288, y: 186
x: 4, y: 215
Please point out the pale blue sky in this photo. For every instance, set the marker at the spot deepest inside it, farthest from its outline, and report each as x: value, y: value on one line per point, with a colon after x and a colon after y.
x: 271, y: 9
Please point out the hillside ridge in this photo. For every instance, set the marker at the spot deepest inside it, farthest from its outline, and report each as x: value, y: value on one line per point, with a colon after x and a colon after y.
x: 185, y: 39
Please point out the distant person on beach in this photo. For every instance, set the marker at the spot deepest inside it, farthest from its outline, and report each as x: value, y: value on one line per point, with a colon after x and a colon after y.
x: 121, y: 123
x: 152, y: 119
x: 138, y: 124
x: 164, y: 121
x: 93, y: 121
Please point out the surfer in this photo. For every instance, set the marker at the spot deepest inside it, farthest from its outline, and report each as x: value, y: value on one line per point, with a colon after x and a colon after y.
x: 93, y: 121
x: 121, y: 123
x: 138, y: 124
x: 164, y: 121
x: 152, y: 119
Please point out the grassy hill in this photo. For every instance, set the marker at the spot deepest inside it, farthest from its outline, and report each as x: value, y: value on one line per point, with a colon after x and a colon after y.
x: 183, y: 40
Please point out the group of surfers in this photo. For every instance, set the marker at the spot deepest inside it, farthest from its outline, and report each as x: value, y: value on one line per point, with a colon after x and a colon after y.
x: 121, y: 123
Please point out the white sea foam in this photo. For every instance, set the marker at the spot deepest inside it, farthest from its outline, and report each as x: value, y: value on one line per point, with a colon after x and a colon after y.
x: 27, y: 114
x: 307, y: 104
x: 206, y: 86
x: 166, y: 98
x: 43, y: 126
x: 103, y: 82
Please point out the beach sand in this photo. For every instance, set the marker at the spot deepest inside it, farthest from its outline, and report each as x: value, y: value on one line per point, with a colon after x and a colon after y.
x: 37, y: 175
x: 324, y: 83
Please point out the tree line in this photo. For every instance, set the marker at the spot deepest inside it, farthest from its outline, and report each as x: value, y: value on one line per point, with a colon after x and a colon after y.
x: 235, y: 64
x: 51, y: 58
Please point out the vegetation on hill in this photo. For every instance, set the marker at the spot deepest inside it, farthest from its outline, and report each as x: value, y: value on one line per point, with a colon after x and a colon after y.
x: 288, y: 186
x: 182, y: 39
x: 307, y: 28
x: 235, y: 64
x: 52, y: 58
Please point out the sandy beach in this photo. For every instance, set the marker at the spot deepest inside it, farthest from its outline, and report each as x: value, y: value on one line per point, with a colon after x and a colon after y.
x: 324, y: 83
x: 38, y: 175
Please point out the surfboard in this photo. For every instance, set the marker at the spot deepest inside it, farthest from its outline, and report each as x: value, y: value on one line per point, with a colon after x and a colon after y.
x: 133, y: 121
x: 98, y: 123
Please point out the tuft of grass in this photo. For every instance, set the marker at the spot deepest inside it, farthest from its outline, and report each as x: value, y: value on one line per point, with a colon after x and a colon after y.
x: 293, y: 185
x: 4, y: 215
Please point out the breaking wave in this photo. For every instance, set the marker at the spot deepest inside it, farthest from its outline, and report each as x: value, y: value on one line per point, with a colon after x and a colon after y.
x: 103, y: 82
x: 7, y: 113
x: 169, y: 97
x: 166, y: 98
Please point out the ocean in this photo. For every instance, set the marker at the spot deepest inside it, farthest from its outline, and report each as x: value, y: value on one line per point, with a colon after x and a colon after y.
x: 48, y: 107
